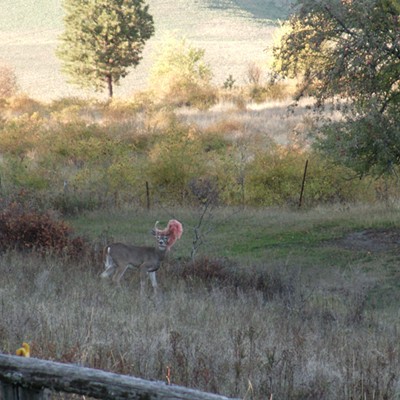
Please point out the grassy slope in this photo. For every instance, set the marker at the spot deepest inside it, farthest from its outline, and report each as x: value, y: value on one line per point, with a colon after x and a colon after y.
x: 234, y: 33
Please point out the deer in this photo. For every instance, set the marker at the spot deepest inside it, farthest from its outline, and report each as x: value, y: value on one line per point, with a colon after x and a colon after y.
x: 118, y: 257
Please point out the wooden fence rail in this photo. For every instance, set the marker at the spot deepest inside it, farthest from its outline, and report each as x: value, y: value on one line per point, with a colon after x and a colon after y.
x: 31, y: 378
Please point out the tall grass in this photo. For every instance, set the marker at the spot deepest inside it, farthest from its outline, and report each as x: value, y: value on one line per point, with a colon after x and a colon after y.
x: 251, y: 327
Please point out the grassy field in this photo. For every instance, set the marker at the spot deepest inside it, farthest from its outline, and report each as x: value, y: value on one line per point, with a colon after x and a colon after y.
x: 284, y: 303
x: 233, y: 33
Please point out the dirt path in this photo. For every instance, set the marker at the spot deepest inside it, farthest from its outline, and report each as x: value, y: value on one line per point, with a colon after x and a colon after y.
x: 374, y: 240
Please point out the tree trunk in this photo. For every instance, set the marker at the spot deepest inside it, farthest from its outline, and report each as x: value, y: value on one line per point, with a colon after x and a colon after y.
x: 110, y: 86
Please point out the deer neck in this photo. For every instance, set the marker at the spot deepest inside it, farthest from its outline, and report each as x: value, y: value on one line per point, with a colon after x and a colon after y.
x: 161, y: 253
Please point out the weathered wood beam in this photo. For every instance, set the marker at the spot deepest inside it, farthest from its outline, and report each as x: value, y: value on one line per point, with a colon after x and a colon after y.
x: 38, y: 374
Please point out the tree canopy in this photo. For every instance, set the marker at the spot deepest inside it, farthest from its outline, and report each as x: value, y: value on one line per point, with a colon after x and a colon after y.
x: 102, y: 39
x: 348, y: 51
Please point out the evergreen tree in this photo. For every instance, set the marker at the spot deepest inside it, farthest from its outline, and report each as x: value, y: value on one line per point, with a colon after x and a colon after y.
x: 102, y: 39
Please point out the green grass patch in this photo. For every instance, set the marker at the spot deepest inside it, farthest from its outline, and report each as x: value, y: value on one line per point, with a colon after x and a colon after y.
x: 250, y: 234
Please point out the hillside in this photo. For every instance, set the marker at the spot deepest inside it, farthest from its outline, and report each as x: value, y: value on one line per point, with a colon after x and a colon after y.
x: 233, y: 32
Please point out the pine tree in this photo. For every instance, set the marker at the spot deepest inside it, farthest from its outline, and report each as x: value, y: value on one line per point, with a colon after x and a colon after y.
x: 102, y: 39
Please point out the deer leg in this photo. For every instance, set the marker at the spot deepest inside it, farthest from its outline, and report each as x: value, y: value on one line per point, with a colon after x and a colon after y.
x: 109, y: 267
x: 119, y: 273
x: 153, y: 280
x: 148, y: 269
x: 143, y: 272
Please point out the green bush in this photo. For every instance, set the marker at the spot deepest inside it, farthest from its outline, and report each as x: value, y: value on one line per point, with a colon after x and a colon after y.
x: 173, y: 162
x: 275, y: 178
x: 21, y: 135
x: 257, y: 93
x: 181, y: 77
x: 22, y: 174
x: 279, y: 91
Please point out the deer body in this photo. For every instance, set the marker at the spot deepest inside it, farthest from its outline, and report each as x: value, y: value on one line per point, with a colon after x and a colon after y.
x: 118, y: 257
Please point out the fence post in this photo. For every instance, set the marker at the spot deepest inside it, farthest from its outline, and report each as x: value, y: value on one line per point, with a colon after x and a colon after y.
x: 302, y: 184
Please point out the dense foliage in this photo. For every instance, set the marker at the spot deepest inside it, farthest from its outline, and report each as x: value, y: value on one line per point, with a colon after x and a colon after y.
x: 73, y: 155
x: 102, y: 39
x: 349, y: 52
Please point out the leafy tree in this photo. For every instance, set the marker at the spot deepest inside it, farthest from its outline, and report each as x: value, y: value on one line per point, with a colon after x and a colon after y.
x: 348, y: 51
x: 180, y: 74
x: 102, y: 39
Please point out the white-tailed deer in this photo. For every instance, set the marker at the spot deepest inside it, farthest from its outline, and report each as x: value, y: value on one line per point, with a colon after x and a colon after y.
x: 118, y: 257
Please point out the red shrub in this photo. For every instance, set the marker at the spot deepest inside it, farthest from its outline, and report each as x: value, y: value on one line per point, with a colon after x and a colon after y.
x: 23, y: 229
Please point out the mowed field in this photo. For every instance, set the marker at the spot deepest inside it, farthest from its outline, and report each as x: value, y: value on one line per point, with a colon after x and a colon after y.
x: 234, y: 34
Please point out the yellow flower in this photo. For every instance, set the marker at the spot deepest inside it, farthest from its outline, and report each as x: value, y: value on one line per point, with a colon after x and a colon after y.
x: 24, y: 351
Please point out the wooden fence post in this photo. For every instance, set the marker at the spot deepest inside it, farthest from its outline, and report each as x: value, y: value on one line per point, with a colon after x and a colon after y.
x: 302, y: 184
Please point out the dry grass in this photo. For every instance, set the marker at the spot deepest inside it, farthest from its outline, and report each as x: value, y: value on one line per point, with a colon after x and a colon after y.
x: 272, y: 119
x: 215, y: 337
